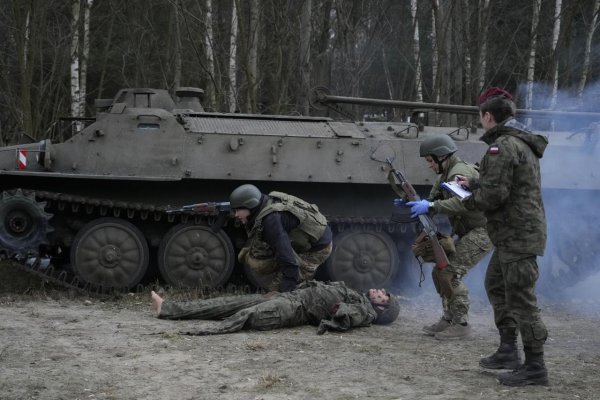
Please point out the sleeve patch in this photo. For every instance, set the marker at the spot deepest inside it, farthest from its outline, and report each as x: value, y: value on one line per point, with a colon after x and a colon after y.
x: 493, y: 149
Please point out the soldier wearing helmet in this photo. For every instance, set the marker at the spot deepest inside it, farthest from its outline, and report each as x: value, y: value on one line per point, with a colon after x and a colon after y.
x: 330, y: 306
x: 468, y: 227
x: 288, y: 238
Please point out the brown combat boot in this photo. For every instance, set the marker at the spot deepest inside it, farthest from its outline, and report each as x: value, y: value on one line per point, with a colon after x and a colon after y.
x: 455, y: 331
x: 431, y: 330
x: 533, y: 372
x: 507, y: 356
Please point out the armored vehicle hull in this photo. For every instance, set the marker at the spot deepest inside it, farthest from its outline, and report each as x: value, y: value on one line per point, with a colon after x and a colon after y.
x: 96, y: 203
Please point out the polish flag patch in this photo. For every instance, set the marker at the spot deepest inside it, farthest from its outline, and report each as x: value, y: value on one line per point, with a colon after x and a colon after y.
x: 22, y: 161
x: 493, y: 149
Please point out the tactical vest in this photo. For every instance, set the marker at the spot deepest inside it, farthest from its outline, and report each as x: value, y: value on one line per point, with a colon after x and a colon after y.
x: 312, y: 222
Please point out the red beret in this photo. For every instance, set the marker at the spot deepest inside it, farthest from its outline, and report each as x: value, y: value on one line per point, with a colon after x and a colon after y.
x: 494, y: 92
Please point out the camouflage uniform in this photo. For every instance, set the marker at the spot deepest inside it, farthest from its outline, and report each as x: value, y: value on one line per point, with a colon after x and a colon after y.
x: 509, y: 192
x: 472, y: 245
x: 330, y: 306
x: 284, y: 261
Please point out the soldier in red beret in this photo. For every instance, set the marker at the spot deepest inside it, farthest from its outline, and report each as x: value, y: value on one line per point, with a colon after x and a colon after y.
x: 509, y: 192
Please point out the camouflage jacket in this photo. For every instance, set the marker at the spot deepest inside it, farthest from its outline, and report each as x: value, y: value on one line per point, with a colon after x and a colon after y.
x: 509, y: 191
x: 462, y: 219
x: 330, y: 306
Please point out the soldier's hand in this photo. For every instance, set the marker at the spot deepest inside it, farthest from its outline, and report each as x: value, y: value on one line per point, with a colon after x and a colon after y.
x: 462, y: 181
x: 242, y: 255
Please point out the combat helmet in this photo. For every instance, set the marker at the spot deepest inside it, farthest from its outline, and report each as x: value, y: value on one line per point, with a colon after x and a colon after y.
x: 245, y: 196
x: 438, y: 146
x: 386, y: 314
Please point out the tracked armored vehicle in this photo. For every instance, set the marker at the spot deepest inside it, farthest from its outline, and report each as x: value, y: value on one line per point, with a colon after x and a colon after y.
x: 91, y: 210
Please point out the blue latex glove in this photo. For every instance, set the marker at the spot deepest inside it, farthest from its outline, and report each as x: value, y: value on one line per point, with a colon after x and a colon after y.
x: 418, y: 207
x: 399, y: 202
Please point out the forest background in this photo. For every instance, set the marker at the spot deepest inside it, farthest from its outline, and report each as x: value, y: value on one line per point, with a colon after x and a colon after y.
x: 264, y: 56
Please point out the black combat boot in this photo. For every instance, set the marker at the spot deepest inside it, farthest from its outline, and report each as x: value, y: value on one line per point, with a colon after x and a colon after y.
x: 507, y: 356
x: 533, y: 372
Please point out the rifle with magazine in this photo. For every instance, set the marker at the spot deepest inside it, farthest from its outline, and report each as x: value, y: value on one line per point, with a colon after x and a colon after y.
x: 222, y: 209
x: 430, y: 231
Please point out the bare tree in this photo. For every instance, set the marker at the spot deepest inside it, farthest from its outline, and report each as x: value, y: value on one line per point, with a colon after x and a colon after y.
x: 210, y: 59
x: 483, y: 22
x: 555, y: 36
x: 252, y: 65
x: 87, y: 5
x: 232, y: 71
x: 537, y: 4
x: 305, y: 39
x: 75, y: 89
x: 416, y: 52
x: 177, y: 46
x: 588, y: 49
x: 435, y: 50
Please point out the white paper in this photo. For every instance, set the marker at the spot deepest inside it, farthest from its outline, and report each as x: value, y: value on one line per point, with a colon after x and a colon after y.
x: 456, y: 189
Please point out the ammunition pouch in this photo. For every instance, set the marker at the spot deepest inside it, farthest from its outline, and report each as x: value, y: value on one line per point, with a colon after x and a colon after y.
x: 423, y: 248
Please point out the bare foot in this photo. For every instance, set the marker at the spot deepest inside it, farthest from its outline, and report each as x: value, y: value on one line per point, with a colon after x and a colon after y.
x: 156, y: 302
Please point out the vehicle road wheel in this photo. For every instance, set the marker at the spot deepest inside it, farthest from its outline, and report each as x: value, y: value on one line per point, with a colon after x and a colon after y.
x: 363, y: 259
x: 23, y: 224
x: 110, y: 253
x: 195, y: 256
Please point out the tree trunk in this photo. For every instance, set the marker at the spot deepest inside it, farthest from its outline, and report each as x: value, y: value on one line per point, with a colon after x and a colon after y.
x: 466, y: 49
x: 232, y: 73
x: 75, y: 90
x: 588, y: 49
x: 252, y: 69
x: 87, y: 5
x: 416, y: 52
x: 484, y: 19
x: 532, y: 50
x: 210, y: 59
x: 435, y: 51
x: 25, y: 117
x: 555, y: 36
x: 305, y: 38
x: 177, y: 47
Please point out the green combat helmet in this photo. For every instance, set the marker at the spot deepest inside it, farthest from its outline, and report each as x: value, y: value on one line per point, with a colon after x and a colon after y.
x: 439, y: 146
x: 388, y: 313
x: 245, y: 196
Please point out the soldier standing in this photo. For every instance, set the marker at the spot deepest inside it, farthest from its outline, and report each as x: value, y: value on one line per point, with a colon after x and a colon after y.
x: 509, y: 192
x: 468, y: 225
x: 330, y: 306
x: 288, y: 238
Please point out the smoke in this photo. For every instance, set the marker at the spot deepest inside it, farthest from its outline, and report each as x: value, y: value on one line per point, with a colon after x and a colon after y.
x: 570, y: 269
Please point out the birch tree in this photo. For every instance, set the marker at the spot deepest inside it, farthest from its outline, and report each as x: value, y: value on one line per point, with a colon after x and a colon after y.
x: 232, y: 71
x: 87, y: 5
x: 75, y: 89
x: 588, y: 49
x: 416, y: 51
x: 210, y: 59
x: 555, y: 35
x: 537, y: 4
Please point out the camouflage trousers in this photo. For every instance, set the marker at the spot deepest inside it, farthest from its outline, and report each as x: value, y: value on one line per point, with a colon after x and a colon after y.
x: 232, y: 314
x: 266, y: 271
x: 511, y: 290
x: 470, y: 249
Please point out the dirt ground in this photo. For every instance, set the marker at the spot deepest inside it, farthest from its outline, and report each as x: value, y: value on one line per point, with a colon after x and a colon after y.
x: 58, y: 345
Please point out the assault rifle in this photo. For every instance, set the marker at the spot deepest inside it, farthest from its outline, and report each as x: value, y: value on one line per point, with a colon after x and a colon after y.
x: 429, y: 228
x: 222, y: 209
